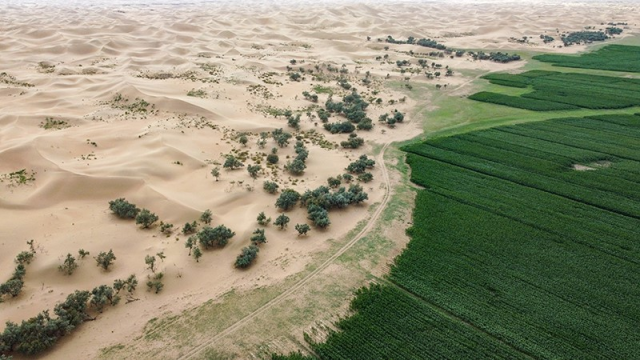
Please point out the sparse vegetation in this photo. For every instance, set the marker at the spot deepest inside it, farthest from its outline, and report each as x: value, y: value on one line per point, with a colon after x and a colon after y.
x: 51, y: 123
x: 20, y: 177
x: 197, y: 93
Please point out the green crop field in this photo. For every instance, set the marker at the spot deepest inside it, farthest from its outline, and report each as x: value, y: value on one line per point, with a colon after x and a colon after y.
x: 553, y: 90
x: 515, y: 253
x: 526, y: 237
x: 611, y: 57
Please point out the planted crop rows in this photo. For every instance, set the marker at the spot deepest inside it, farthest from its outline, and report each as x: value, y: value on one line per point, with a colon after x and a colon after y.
x: 563, y: 91
x: 611, y: 57
x: 514, y: 253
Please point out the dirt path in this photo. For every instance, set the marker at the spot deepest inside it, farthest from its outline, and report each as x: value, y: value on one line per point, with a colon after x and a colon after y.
x: 197, y: 349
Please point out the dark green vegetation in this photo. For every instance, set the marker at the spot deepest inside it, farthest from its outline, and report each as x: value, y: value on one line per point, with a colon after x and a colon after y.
x: 514, y: 254
x: 14, y: 285
x: 611, y: 57
x: 583, y: 37
x: 563, y: 91
x: 123, y: 209
x: 42, y: 331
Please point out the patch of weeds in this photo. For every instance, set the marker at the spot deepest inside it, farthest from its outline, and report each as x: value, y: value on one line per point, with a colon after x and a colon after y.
x: 20, y: 177
x: 319, y: 89
x: 267, y: 78
x: 197, y: 93
x: 260, y: 91
x: 11, y: 80
x: 138, y: 106
x: 45, y: 68
x: 211, y: 68
x: 268, y: 110
x: 163, y: 75
x: 51, y: 123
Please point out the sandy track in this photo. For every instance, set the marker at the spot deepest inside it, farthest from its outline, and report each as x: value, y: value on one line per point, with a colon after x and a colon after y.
x: 245, y: 320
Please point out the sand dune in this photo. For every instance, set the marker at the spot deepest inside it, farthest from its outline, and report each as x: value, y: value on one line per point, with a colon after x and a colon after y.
x: 93, y: 67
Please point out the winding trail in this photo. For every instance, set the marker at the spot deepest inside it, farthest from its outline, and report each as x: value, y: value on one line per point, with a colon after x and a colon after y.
x: 276, y: 300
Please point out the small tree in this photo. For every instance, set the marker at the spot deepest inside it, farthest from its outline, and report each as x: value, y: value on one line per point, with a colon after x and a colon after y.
x: 232, y: 163
x: 258, y: 237
x: 366, y: 177
x: 333, y: 182
x: 197, y: 254
x: 123, y: 209
x: 254, y: 170
x: 302, y: 229
x: 273, y: 158
x: 24, y: 257
x: 296, y: 167
x: 189, y: 228
x: 105, y: 260
x: 262, y: 219
x: 69, y: 265
x: 146, y: 218
x: 215, y: 172
x: 191, y: 243
x: 166, y: 228
x: 281, y: 221
x: 318, y: 215
x: 82, y: 253
x: 243, y: 140
x: 218, y: 236
x: 128, y: 285
x: 161, y: 256
x: 155, y: 282
x: 270, y: 186
x: 287, y: 199
x: 12, y: 287
x: 150, y: 260
x: 102, y: 296
x: 247, y: 256
x: 206, y: 217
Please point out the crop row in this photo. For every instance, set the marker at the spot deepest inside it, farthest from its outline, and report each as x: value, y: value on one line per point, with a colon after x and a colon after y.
x: 391, y: 324
x: 549, y: 212
x: 537, y: 291
x: 611, y: 57
x: 571, y: 89
x: 519, y: 102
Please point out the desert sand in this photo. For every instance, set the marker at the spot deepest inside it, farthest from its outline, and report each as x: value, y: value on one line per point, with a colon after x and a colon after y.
x: 69, y: 61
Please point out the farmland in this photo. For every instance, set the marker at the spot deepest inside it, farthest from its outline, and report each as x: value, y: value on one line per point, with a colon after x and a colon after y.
x: 611, y: 57
x: 553, y: 90
x: 517, y: 254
